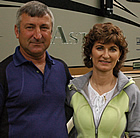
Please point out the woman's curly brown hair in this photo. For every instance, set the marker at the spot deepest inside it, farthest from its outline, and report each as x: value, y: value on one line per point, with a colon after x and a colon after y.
x: 105, y: 33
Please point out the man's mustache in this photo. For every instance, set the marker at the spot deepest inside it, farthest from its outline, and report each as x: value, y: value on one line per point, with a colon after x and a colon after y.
x: 36, y: 41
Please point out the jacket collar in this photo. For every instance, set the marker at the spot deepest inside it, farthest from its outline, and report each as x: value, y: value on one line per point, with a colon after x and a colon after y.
x: 82, y: 81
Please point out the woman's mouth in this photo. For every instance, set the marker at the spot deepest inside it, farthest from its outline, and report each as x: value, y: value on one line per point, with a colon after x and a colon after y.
x: 104, y: 61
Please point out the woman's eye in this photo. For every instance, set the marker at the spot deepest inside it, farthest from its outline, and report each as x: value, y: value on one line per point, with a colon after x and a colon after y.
x: 99, y: 48
x: 113, y: 49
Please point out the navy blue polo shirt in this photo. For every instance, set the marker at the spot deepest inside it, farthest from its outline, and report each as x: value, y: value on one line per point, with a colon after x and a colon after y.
x: 35, y: 104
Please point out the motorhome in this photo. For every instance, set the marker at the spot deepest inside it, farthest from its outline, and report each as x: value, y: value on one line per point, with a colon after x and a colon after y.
x: 73, y: 19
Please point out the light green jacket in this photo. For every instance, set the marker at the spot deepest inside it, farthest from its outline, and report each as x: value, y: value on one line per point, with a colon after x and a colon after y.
x: 122, y: 113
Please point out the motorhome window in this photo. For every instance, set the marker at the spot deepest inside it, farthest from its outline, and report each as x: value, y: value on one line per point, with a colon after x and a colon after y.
x: 133, y: 0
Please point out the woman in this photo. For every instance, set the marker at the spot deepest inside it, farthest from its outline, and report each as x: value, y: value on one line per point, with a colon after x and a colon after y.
x: 105, y: 101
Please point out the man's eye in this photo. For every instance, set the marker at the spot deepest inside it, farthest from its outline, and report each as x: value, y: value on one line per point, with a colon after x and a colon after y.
x: 44, y: 28
x: 29, y: 27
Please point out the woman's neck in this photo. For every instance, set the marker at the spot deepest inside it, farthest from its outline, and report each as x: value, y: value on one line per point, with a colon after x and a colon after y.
x: 103, y: 82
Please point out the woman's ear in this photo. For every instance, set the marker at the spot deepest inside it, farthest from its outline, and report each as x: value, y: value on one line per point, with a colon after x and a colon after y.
x: 120, y: 54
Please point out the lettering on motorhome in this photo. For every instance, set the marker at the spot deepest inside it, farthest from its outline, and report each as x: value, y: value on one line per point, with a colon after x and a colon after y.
x: 71, y: 38
x: 138, y: 41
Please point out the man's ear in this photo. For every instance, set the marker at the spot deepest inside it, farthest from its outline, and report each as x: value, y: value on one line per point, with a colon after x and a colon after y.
x: 16, y: 31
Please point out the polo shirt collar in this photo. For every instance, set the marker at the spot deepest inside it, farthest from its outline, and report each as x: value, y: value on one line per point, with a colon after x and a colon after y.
x: 19, y: 59
x: 49, y: 59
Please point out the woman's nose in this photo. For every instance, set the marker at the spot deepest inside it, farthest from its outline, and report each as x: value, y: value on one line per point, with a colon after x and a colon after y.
x: 106, y: 54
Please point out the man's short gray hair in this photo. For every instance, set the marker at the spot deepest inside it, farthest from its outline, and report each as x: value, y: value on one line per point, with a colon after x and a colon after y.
x: 33, y: 9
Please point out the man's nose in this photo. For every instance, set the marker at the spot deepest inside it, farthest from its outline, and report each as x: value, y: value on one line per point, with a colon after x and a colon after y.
x: 37, y: 33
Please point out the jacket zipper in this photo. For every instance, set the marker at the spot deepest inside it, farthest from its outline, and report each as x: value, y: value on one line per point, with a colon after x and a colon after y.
x: 83, y: 93
x: 96, y: 128
x: 96, y: 132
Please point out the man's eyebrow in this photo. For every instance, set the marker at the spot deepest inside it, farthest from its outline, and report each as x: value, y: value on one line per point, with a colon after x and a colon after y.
x: 44, y: 24
x: 29, y: 24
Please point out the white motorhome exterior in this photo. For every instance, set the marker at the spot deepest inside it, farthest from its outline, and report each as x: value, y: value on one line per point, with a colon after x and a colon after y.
x: 73, y: 19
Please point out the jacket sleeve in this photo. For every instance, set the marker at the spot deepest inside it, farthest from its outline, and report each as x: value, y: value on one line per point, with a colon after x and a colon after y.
x: 68, y: 108
x: 133, y: 116
x: 3, y: 114
x: 2, y: 99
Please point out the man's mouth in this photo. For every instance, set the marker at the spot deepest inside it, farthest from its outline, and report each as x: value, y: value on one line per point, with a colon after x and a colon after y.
x: 36, y: 42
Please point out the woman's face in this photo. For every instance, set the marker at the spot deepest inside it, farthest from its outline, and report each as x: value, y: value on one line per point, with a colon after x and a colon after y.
x: 105, y: 56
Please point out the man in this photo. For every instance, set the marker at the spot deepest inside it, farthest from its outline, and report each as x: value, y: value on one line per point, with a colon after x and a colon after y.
x: 32, y: 83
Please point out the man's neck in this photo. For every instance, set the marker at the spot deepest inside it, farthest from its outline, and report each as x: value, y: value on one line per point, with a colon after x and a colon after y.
x: 39, y: 61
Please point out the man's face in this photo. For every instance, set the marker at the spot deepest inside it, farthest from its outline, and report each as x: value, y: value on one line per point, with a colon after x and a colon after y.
x: 34, y: 35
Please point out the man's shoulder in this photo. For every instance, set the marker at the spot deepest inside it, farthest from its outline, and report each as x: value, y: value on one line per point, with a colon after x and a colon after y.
x: 3, y: 65
x: 59, y: 61
x: 68, y: 75
x: 6, y: 61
